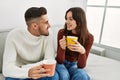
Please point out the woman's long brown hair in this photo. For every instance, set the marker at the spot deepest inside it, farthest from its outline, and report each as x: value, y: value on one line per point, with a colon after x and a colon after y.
x: 79, y: 16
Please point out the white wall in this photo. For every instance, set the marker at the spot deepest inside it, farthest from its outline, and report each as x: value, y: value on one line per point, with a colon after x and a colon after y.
x: 12, y: 11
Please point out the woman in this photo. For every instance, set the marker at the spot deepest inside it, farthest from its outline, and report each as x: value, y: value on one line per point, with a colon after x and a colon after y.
x: 72, y: 58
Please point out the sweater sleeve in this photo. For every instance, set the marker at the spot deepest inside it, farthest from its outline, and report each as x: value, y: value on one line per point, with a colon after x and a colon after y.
x: 83, y: 57
x: 10, y: 68
x: 60, y: 52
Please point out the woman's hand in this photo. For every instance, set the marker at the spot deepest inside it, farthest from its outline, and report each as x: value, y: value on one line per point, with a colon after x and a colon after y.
x: 76, y: 47
x: 62, y: 42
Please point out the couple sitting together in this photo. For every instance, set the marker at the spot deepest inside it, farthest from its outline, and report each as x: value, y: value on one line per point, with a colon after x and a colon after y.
x: 26, y: 50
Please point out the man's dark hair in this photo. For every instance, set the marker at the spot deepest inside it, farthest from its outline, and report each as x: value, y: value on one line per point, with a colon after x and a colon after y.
x: 34, y: 12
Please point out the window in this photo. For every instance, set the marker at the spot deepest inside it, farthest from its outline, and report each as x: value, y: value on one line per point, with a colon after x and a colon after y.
x: 111, y: 28
x: 96, y: 2
x: 103, y: 18
x: 113, y: 2
x: 94, y: 21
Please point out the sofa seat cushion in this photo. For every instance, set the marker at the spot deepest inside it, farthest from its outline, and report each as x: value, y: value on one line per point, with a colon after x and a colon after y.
x: 2, y: 77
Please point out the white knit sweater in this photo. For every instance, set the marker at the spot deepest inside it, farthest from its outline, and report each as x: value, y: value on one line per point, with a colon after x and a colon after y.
x: 24, y: 51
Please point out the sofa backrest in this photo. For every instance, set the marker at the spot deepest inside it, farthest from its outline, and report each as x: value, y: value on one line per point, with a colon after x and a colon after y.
x: 55, y: 30
x: 3, y: 34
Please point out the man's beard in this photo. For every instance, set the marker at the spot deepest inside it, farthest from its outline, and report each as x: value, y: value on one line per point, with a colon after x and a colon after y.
x: 43, y: 33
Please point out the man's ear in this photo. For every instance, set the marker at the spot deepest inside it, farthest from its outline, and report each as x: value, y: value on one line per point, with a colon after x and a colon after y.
x: 34, y: 25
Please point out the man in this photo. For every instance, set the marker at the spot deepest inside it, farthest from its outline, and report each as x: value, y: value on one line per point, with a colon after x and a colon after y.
x: 25, y: 50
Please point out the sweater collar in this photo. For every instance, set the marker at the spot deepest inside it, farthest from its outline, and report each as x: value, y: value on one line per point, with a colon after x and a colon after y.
x: 29, y: 35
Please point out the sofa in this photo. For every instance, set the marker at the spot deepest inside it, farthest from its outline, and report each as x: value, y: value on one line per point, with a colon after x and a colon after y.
x: 98, y: 67
x: 3, y: 34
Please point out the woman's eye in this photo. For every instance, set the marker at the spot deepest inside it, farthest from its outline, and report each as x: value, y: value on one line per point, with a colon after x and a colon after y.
x: 71, y: 19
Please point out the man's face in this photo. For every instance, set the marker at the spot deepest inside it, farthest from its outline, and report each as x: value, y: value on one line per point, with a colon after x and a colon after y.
x: 43, y: 26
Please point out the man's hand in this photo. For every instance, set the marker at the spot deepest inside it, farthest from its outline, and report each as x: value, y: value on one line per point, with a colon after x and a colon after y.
x: 38, y: 72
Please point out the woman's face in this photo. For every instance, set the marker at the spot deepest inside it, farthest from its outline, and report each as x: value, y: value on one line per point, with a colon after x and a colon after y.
x: 70, y: 22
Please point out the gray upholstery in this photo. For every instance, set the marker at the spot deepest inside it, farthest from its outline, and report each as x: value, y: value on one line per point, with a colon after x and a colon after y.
x: 3, y: 34
x: 1, y: 77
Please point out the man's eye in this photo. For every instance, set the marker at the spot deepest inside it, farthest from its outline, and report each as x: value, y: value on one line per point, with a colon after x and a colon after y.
x: 46, y: 22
